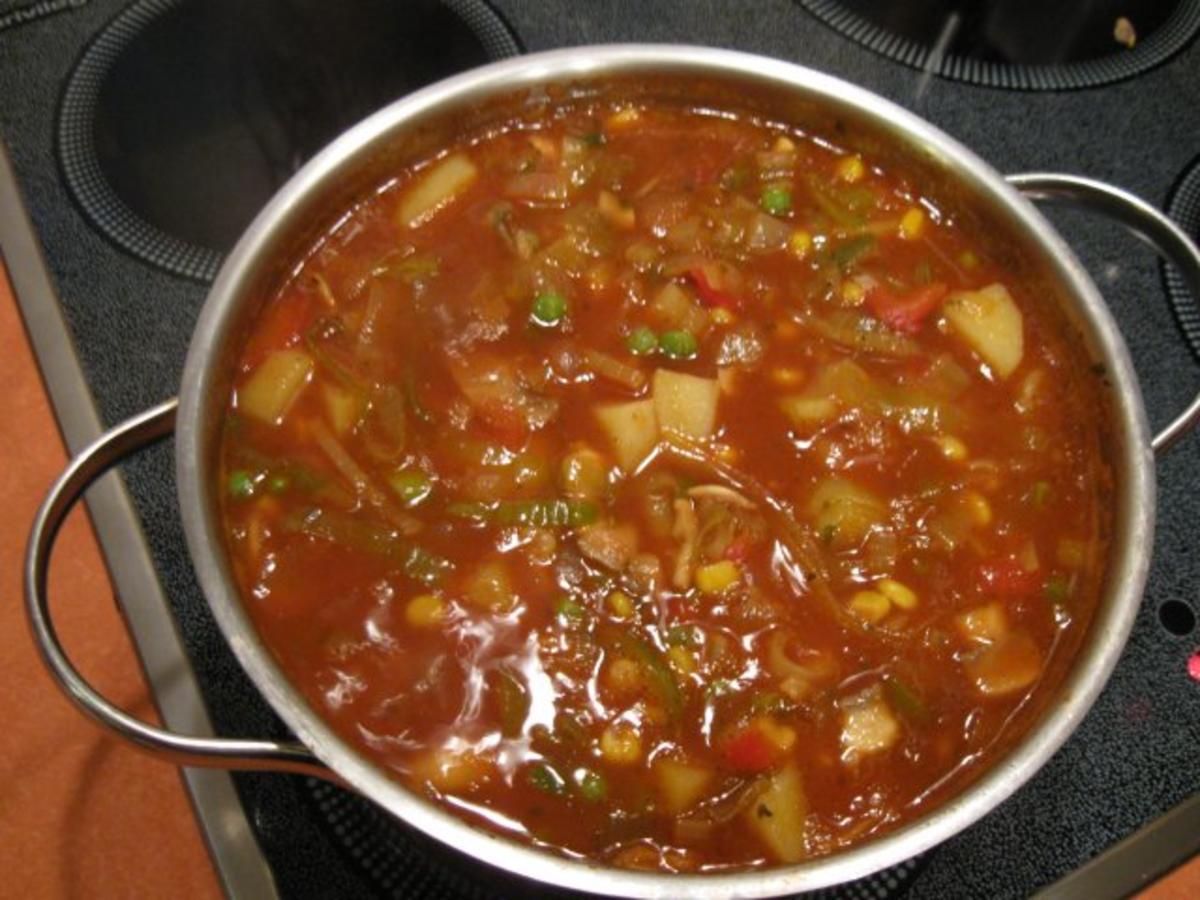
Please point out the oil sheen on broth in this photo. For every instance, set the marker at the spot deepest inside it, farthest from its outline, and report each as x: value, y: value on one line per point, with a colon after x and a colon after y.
x: 675, y: 490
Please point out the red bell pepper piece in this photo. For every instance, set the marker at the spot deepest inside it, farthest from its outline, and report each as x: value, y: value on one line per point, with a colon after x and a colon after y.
x: 750, y: 751
x: 906, y: 312
x: 709, y: 295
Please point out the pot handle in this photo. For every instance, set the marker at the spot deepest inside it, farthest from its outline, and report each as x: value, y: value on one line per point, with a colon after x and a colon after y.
x: 1144, y: 222
x: 93, y: 461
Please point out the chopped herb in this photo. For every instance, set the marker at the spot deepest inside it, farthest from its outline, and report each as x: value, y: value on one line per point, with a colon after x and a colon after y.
x: 569, y: 610
x: 278, y: 483
x: 546, y: 780
x: 241, y: 484
x: 1057, y: 589
x: 1039, y: 493
x: 592, y: 786
x: 682, y: 636
x: 775, y: 200
x: 719, y: 687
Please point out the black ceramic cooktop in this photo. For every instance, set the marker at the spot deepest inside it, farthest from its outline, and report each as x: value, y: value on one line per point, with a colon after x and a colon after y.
x: 117, y: 176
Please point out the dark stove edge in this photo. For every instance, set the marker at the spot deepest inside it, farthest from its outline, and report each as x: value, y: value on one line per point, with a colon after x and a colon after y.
x: 1130, y: 865
x: 227, y: 834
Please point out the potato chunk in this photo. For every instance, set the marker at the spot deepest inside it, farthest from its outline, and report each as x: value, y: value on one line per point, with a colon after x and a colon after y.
x: 868, y: 726
x: 844, y: 513
x: 1009, y: 665
x: 273, y: 387
x: 681, y: 783
x: 990, y: 322
x: 778, y: 816
x: 632, y: 430
x: 686, y: 404
x: 435, y: 188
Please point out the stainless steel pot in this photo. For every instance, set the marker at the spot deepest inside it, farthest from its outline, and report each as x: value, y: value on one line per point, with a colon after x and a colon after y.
x: 416, y: 125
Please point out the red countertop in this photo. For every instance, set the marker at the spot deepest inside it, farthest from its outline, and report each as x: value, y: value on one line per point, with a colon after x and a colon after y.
x: 81, y: 814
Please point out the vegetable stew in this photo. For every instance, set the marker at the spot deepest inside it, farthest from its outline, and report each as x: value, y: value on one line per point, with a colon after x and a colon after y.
x: 665, y: 487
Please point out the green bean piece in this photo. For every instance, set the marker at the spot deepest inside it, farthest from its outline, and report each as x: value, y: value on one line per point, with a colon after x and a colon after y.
x: 411, y: 485
x: 549, y: 308
x: 850, y: 252
x: 535, y: 513
x: 678, y: 344
x: 513, y: 700
x: 368, y: 537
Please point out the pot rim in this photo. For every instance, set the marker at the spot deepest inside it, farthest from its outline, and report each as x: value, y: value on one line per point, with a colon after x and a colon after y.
x: 1131, y: 458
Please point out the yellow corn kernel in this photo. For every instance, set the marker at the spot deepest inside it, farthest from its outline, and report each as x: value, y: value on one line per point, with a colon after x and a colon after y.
x: 800, y: 243
x: 623, y: 117
x: 786, y: 376
x: 786, y: 330
x: 977, y: 507
x: 899, y: 593
x: 784, y: 145
x: 621, y: 745
x: 853, y: 293
x: 722, y: 316
x: 624, y: 676
x: 952, y: 448
x: 425, y: 611
x: 726, y: 454
x: 1071, y: 553
x: 620, y: 604
x: 870, y: 606
x: 968, y: 260
x: 682, y: 660
x: 716, y: 577
x: 851, y: 169
x: 781, y: 737
x: 912, y: 223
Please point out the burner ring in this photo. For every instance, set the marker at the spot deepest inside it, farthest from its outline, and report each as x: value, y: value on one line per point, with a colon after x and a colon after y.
x: 80, y: 160
x: 400, y: 862
x: 1184, y: 208
x: 1157, y: 48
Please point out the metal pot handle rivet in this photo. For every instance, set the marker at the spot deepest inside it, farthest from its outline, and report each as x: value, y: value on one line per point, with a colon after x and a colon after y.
x: 184, y: 750
x: 1144, y: 222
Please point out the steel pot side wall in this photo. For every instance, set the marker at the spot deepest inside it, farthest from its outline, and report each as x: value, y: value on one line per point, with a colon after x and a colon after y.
x: 412, y: 129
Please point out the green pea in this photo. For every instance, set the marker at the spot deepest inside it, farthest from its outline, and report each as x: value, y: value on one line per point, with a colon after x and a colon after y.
x: 241, y: 484
x: 678, y: 344
x: 775, y: 200
x: 549, y: 308
x: 411, y: 485
x: 592, y: 786
x: 641, y: 341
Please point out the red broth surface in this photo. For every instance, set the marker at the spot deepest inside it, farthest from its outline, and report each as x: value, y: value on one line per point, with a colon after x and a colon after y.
x: 665, y: 488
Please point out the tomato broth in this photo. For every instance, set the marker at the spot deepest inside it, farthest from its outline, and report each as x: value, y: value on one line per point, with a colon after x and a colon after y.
x: 673, y: 489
